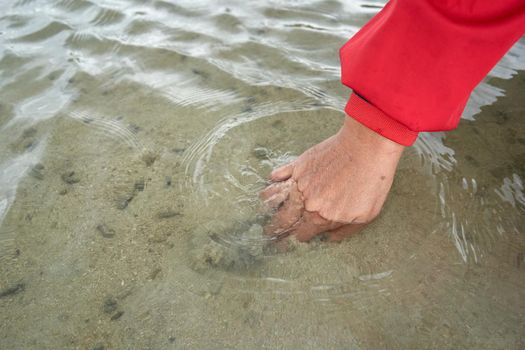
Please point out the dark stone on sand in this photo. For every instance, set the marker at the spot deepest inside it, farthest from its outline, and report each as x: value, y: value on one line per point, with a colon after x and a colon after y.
x: 278, y: 124
x: 371, y: 6
x: 260, y: 153
x: 36, y: 171
x: 29, y: 132
x: 117, y: 315
x: 154, y: 273
x: 149, y: 158
x: 63, y: 191
x: 105, y: 231
x: 472, y: 160
x: 30, y: 144
x: 200, y: 72
x: 139, y: 185
x: 110, y: 305
x: 70, y: 177
x: 167, y: 181
x: 501, y: 117
x: 166, y: 214
x: 99, y: 346
x: 122, y: 204
x: 172, y: 339
x: 123, y: 201
x: 134, y: 128
x: 12, y: 289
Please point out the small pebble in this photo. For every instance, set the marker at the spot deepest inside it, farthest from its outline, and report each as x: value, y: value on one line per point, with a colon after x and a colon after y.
x: 149, y: 158
x: 110, y: 305
x: 70, y: 177
x: 123, y: 201
x: 278, y: 124
x: 139, y: 185
x: 154, y: 273
x: 134, y: 128
x: 106, y: 231
x: 29, y: 144
x: 36, y: 171
x: 167, y: 214
x: 260, y: 153
x: 167, y: 181
x: 29, y: 132
x: 99, y: 346
x: 13, y: 289
x: 117, y: 315
x: 200, y: 72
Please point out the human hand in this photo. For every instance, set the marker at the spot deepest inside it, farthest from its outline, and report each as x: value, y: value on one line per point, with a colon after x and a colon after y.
x: 337, y: 186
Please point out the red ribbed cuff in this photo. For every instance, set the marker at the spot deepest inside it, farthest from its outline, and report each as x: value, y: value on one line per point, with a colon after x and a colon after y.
x: 378, y: 121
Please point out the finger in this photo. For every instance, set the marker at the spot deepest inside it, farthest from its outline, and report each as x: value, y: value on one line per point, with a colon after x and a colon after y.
x: 282, y: 173
x: 288, y: 214
x: 340, y: 233
x: 275, y: 194
x: 310, y: 225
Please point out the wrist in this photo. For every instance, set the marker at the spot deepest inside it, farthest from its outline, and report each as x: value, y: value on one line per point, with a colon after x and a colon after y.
x: 356, y: 135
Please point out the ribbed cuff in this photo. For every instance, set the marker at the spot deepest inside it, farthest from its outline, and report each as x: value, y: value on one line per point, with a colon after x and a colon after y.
x: 378, y: 121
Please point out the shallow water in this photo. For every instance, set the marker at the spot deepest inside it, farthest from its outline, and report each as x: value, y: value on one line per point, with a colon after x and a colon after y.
x: 134, y: 138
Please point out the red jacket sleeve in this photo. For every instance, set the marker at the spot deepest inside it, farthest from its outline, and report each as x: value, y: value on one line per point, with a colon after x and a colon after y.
x: 413, y: 66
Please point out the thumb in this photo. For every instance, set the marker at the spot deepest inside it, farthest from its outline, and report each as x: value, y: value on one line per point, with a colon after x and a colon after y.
x: 282, y: 173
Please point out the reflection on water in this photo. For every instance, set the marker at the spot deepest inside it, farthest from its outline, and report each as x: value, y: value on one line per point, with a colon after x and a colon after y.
x: 135, y: 137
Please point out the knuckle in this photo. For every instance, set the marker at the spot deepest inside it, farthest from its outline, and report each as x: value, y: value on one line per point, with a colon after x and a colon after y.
x: 313, y: 206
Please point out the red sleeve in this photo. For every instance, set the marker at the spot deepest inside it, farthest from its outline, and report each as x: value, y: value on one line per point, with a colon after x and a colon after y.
x: 413, y: 66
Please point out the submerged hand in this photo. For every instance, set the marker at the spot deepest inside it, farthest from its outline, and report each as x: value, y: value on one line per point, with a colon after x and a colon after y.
x: 337, y: 186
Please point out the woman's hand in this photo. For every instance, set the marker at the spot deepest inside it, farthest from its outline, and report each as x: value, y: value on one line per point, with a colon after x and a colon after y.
x: 337, y: 186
